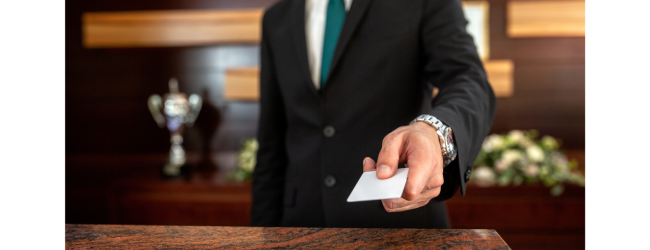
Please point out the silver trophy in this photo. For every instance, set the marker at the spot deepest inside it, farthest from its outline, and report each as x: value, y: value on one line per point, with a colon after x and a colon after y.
x: 175, y: 111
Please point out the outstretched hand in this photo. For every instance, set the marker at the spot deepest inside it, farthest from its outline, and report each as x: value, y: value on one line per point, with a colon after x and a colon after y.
x: 417, y: 145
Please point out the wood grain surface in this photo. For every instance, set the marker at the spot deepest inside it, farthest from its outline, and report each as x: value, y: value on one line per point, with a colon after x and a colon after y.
x: 193, y: 237
x: 546, y: 18
x: 168, y: 28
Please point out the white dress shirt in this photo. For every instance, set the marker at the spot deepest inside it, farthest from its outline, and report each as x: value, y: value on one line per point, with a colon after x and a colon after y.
x: 315, y: 15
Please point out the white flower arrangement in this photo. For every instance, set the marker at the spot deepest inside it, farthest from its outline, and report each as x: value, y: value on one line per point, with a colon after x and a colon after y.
x: 246, y: 160
x: 517, y: 157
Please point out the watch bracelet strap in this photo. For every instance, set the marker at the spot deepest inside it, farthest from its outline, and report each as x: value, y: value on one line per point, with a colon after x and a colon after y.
x: 449, y: 154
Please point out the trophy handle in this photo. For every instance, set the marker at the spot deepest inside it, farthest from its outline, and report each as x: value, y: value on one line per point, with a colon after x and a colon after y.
x: 155, y: 104
x: 195, y: 103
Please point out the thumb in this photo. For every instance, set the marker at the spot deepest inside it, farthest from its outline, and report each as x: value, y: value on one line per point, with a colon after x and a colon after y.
x: 369, y: 164
x: 388, y: 158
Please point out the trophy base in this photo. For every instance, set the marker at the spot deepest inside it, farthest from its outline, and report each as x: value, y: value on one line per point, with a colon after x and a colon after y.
x: 171, y: 170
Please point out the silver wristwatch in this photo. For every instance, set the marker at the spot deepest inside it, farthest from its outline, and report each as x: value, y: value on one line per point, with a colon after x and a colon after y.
x: 444, y: 135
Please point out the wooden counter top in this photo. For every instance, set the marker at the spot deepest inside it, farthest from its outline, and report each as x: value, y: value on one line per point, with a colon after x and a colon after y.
x: 195, y: 237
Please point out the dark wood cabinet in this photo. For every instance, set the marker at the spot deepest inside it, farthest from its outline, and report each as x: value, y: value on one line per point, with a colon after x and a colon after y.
x: 201, y: 199
x: 527, y: 217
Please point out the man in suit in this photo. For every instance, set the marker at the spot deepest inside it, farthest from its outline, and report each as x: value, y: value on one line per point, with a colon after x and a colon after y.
x: 342, y: 80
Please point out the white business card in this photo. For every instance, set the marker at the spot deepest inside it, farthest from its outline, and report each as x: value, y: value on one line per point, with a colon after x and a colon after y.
x: 371, y: 188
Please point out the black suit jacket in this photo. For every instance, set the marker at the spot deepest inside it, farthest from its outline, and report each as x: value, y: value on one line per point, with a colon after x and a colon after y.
x: 390, y: 55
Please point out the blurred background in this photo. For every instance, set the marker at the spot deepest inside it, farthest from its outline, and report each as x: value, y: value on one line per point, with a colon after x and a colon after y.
x: 119, y: 53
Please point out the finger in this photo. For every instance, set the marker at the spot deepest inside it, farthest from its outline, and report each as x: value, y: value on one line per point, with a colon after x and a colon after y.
x: 389, y: 155
x: 369, y: 164
x: 421, y: 166
x: 400, y: 202
x: 409, y: 207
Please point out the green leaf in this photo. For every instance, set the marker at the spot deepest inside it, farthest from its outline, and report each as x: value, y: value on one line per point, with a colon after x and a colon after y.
x: 532, y: 134
x: 506, y: 177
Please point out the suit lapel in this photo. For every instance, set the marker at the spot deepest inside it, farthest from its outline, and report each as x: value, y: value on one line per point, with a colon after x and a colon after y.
x: 352, y: 20
x: 300, y: 41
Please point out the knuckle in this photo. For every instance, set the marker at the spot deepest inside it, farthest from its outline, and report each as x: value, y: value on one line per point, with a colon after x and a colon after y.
x: 387, y: 154
x: 388, y: 139
x: 435, y: 182
x: 410, y: 195
x: 385, y: 149
x: 438, y: 180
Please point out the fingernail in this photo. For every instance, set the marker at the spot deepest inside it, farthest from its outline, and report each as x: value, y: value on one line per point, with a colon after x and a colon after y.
x: 383, y: 170
x: 364, y: 161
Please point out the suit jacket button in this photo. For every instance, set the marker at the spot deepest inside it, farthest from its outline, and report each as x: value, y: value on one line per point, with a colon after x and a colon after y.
x: 330, y: 181
x: 468, y: 173
x: 329, y: 131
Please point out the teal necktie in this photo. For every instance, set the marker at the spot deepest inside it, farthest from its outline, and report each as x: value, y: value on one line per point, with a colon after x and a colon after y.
x: 333, y: 26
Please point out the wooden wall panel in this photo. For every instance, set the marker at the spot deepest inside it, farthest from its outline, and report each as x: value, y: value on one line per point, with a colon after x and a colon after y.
x: 542, y: 50
x: 500, y: 76
x: 546, y: 18
x: 201, y: 27
x: 549, y: 98
x: 171, y: 28
x: 549, y: 80
x: 242, y: 84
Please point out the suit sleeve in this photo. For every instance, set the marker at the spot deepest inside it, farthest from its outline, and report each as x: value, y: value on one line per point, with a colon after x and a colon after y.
x: 465, y: 100
x: 269, y: 172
